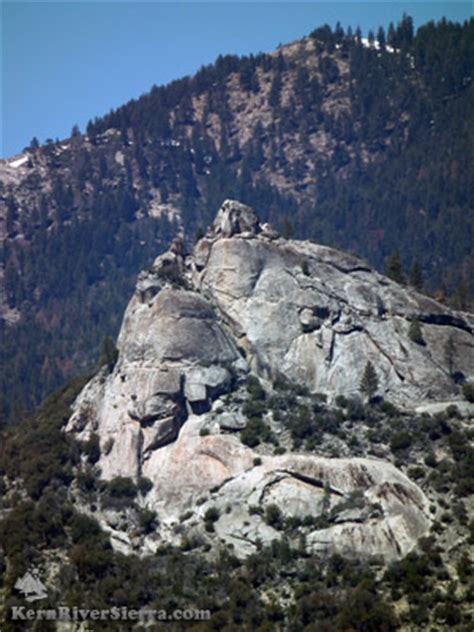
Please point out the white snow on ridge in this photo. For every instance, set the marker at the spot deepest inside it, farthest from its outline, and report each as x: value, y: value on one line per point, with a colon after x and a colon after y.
x: 376, y: 45
x: 18, y: 162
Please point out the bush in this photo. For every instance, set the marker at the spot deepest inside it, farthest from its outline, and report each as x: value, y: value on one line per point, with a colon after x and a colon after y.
x: 355, y: 409
x: 171, y: 274
x: 341, y: 401
x: 91, y: 448
x: 400, y: 441
x: 452, y: 412
x: 254, y: 388
x: 121, y: 486
x: 144, y: 485
x: 210, y: 517
x: 416, y: 472
x: 254, y: 408
x: 255, y: 432
x: 273, y: 516
x: 388, y: 408
x: 415, y: 334
x: 468, y: 392
x: 84, y: 528
x: 430, y: 460
x: 147, y: 520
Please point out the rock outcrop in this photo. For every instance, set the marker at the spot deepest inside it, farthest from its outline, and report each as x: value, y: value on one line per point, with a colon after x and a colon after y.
x: 247, y: 300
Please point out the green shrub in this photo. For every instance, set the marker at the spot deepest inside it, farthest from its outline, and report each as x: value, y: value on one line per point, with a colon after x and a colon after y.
x: 430, y: 460
x: 341, y: 401
x: 144, y: 485
x: 254, y: 388
x: 122, y: 486
x: 211, y: 515
x: 415, y: 334
x: 468, y: 392
x: 416, y: 472
x: 273, y: 516
x: 255, y: 432
x: 355, y: 409
x: 83, y: 528
x: 305, y: 267
x: 91, y: 448
x: 147, y: 520
x: 254, y: 408
x: 400, y: 441
x: 388, y: 408
x: 452, y: 411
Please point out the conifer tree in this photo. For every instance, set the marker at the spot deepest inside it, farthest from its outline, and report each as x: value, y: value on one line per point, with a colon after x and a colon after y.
x: 394, y: 269
x: 416, y: 276
x: 449, y: 354
x: 369, y: 382
x: 108, y: 354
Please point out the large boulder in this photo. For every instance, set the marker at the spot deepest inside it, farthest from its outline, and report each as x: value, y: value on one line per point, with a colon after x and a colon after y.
x: 318, y: 315
x: 249, y: 300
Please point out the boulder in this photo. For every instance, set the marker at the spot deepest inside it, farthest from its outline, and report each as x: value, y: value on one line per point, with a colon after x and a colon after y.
x: 248, y: 300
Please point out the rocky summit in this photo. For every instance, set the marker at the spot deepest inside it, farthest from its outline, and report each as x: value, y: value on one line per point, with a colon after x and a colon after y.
x: 249, y: 304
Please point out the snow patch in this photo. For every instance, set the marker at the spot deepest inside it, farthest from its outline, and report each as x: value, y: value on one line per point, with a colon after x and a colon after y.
x: 376, y: 45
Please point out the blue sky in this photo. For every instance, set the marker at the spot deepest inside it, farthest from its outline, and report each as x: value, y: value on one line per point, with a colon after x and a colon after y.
x: 66, y: 62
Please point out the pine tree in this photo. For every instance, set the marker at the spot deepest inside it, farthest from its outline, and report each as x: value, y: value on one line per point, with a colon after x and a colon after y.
x: 394, y: 269
x: 369, y: 382
x: 449, y: 354
x: 108, y: 354
x: 381, y: 37
x: 416, y: 276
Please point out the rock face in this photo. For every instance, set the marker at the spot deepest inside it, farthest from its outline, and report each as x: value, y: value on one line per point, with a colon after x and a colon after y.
x: 246, y: 301
x: 317, y: 315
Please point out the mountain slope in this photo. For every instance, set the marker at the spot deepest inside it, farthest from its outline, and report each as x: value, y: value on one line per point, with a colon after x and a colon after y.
x: 363, y: 147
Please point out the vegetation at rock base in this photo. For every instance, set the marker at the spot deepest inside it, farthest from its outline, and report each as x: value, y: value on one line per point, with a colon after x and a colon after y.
x: 361, y: 148
x: 278, y: 587
x: 468, y: 392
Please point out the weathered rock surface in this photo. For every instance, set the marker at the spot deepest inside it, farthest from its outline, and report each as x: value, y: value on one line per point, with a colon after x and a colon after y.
x: 248, y: 300
x: 317, y: 315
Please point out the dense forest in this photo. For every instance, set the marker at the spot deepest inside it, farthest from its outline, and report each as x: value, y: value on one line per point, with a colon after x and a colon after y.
x: 361, y: 144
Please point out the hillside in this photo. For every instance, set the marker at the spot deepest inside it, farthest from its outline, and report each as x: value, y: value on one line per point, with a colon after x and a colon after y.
x: 364, y: 146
